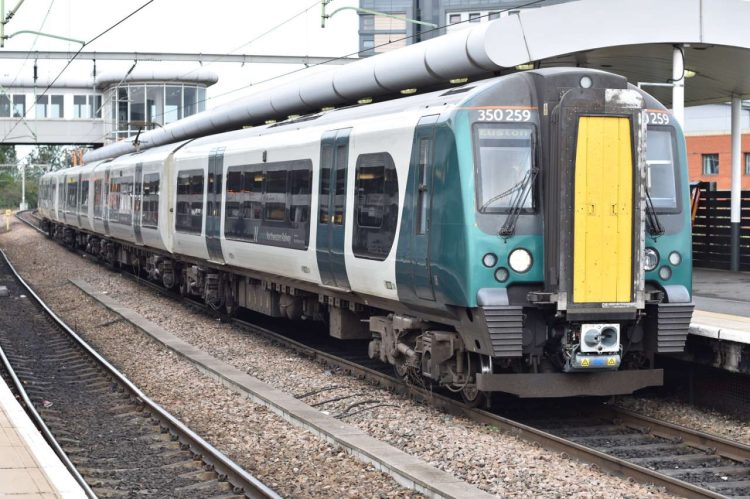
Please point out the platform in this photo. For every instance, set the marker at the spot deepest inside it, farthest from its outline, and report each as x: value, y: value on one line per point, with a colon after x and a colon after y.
x: 722, y: 305
x: 720, y: 329
x: 722, y: 291
x: 28, y: 466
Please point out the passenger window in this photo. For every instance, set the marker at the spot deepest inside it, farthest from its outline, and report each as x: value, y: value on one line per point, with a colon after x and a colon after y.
x: 84, y: 206
x: 121, y: 200
x: 71, y: 203
x: 273, y: 205
x: 98, y: 193
x: 301, y: 187
x: 375, y: 206
x: 274, y: 199
x: 189, y: 215
x: 150, y: 200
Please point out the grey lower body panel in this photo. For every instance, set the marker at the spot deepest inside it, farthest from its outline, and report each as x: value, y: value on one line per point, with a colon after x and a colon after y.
x: 555, y: 385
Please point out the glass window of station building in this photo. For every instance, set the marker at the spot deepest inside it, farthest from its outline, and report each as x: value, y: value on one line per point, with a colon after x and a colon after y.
x: 149, y: 105
x: 151, y: 98
x: 379, y: 33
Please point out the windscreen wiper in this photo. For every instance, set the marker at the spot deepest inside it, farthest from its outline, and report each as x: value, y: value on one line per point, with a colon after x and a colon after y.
x: 653, y: 225
x: 514, y: 188
x: 521, y: 194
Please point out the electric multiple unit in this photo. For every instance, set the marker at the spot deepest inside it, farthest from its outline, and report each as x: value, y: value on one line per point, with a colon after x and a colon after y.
x: 527, y: 234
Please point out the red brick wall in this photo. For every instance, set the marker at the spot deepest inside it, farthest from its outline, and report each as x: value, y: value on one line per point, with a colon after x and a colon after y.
x: 698, y: 145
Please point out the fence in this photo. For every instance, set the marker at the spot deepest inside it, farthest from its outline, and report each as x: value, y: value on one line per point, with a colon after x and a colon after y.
x: 712, y: 233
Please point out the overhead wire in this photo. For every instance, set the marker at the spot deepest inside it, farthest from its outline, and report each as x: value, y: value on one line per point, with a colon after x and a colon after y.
x: 273, y: 78
x: 267, y: 32
x: 70, y: 61
x: 33, y: 44
x: 3, y: 90
x: 359, y: 52
x: 352, y: 54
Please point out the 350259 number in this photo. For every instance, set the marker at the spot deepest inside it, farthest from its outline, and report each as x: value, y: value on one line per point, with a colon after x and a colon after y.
x: 657, y: 118
x: 504, y: 115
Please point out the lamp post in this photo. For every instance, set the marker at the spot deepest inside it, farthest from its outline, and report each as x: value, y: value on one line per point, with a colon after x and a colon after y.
x: 325, y: 16
x: 24, y: 205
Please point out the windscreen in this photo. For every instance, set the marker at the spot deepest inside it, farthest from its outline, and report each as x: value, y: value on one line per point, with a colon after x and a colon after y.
x: 503, y: 157
x: 660, y: 173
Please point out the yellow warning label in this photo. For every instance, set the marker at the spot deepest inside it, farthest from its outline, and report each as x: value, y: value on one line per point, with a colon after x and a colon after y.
x: 611, y: 361
x: 585, y: 362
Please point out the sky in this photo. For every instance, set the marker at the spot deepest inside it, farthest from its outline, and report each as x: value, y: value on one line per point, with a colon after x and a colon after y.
x: 218, y: 26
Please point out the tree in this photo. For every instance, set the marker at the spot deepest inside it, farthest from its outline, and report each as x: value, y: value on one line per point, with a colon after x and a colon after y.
x: 56, y: 157
x: 8, y: 177
x: 43, y: 158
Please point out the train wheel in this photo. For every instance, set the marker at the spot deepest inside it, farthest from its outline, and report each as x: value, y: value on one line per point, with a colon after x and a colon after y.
x: 471, y: 396
x: 230, y: 296
x: 183, y: 287
x: 400, y: 369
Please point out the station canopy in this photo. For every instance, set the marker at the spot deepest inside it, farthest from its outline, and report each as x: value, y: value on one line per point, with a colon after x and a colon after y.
x: 634, y: 38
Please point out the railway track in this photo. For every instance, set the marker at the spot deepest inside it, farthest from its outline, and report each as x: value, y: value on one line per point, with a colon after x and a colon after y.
x: 684, y: 462
x: 113, y: 438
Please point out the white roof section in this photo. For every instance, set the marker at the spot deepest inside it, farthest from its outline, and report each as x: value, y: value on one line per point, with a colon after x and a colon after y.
x: 178, y: 74
x: 633, y: 38
x: 42, y: 83
x: 159, y: 74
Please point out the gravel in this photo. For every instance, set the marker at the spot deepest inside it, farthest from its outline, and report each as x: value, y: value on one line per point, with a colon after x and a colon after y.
x: 491, y: 460
x: 678, y: 412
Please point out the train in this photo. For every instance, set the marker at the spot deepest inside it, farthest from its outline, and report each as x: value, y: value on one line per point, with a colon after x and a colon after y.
x: 526, y: 234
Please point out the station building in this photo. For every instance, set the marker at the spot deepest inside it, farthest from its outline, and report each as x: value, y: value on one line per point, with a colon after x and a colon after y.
x: 378, y: 34
x: 709, y: 145
x: 706, y: 127
x: 99, y: 111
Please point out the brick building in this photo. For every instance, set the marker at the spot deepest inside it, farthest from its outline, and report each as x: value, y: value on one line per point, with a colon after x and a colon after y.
x: 709, y: 147
x: 710, y: 159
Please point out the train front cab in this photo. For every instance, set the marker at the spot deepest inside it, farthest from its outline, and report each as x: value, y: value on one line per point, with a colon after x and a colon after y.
x: 578, y: 267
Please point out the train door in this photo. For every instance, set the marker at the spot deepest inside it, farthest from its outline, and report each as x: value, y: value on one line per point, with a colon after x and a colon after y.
x: 593, y: 228
x: 334, y: 159
x: 138, y: 202
x: 57, y: 203
x: 105, y: 200
x: 420, y: 253
x: 79, y: 198
x: 603, y: 207
x: 213, y: 205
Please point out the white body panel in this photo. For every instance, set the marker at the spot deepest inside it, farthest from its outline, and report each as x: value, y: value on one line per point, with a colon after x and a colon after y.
x: 294, y: 263
x: 383, y: 128
x: 393, y: 134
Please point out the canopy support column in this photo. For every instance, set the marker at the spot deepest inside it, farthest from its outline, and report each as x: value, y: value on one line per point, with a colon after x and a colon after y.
x: 678, y: 85
x: 735, y: 214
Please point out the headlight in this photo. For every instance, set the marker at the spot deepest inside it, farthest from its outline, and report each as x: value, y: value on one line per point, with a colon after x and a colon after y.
x: 501, y: 274
x: 665, y: 273
x: 675, y: 258
x: 489, y: 260
x: 650, y: 259
x: 520, y: 260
